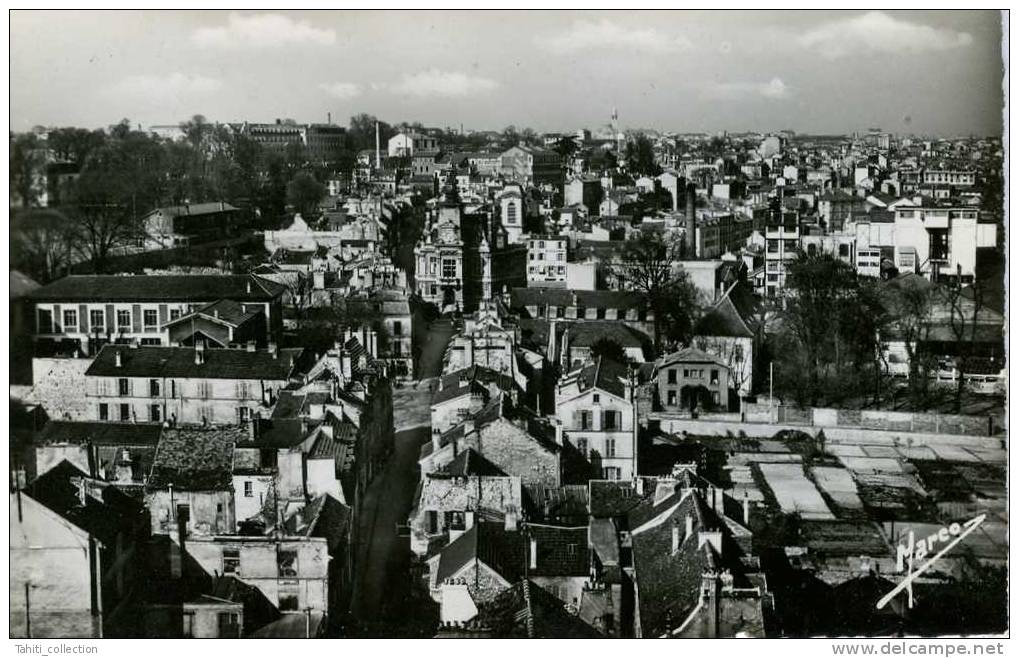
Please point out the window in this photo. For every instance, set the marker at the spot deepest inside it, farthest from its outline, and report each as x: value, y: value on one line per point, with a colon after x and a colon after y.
x: 151, y: 318
x: 433, y: 522
x: 610, y: 447
x: 125, y: 412
x: 249, y: 489
x: 671, y: 397
x: 596, y: 398
x: 714, y: 376
x: 286, y: 562
x: 45, y: 321
x: 611, y: 472
x: 104, y: 411
x: 455, y: 520
x: 686, y: 373
x: 715, y: 397
x: 155, y: 413
x: 612, y: 419
x: 229, y: 625
x: 289, y: 595
x: 153, y: 388
x: 232, y: 559
x: 97, y: 319
x: 671, y: 375
x: 151, y: 341
x: 243, y: 414
x: 600, y: 313
x: 397, y: 328
x: 174, y: 313
x: 123, y: 386
x: 70, y: 319
x: 585, y: 420
x: 188, y: 627
x: 582, y: 446
x: 123, y: 319
x: 449, y: 268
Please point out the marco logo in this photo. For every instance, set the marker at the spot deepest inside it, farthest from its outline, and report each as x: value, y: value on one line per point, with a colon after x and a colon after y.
x: 910, y: 553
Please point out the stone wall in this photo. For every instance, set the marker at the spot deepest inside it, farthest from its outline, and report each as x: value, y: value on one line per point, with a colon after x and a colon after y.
x: 59, y: 386
x: 874, y: 419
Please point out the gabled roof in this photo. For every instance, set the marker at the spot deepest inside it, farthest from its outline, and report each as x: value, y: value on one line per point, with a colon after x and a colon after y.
x: 101, y: 434
x: 691, y: 355
x: 471, y: 379
x: 603, y: 373
x: 560, y: 551
x: 105, y: 511
x: 159, y: 287
x: 510, y: 614
x: 470, y: 462
x: 618, y: 299
x: 723, y: 320
x: 224, y: 311
x: 179, y: 362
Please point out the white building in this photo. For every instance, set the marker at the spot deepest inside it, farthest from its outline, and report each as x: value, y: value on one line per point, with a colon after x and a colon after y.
x: 546, y: 261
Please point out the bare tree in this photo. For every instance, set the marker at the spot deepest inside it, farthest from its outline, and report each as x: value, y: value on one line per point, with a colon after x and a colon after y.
x: 647, y: 266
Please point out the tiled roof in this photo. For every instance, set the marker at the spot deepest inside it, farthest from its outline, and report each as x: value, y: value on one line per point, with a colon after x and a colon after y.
x: 587, y: 333
x: 106, y: 511
x: 618, y: 299
x: 470, y: 462
x: 723, y: 320
x: 691, y: 355
x: 151, y: 361
x: 113, y: 434
x: 603, y: 373
x: 194, y: 459
x: 560, y: 551
x: 502, y: 617
x: 162, y: 287
x: 193, y: 209
x: 476, y: 377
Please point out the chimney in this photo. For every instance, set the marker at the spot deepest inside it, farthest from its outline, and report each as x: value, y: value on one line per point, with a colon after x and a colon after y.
x: 346, y: 367
x: 123, y: 472
x: 691, y: 226
x: 318, y: 280
x: 511, y: 520
x: 378, y: 147
x: 273, y: 350
x: 436, y: 439
x: 689, y: 525
x: 215, y: 313
x: 676, y: 539
x: 199, y: 352
x: 248, y: 286
x: 559, y: 433
x: 373, y: 343
x: 746, y: 509
x: 534, y: 554
x: 117, y: 359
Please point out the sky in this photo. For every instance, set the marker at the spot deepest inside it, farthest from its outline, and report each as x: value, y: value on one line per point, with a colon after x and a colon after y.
x: 917, y: 72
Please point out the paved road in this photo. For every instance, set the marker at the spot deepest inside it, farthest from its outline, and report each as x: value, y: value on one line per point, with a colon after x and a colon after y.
x: 383, y: 556
x: 430, y: 361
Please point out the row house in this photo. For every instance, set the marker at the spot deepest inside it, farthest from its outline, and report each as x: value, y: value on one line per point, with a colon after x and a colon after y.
x: 89, y: 311
x: 556, y: 303
x: 185, y: 385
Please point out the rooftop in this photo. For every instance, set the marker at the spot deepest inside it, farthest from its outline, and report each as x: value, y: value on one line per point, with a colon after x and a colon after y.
x: 152, y: 361
x: 161, y: 287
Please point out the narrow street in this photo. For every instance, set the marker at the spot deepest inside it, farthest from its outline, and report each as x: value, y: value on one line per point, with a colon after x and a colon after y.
x: 384, y: 604
x: 382, y: 579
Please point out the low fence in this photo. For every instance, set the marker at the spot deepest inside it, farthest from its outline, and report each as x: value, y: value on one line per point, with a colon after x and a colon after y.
x: 873, y: 419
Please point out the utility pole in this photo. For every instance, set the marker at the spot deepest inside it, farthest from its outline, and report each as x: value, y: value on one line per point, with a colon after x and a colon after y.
x: 771, y: 391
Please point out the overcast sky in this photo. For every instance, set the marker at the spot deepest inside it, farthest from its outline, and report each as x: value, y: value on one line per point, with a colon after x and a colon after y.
x: 923, y: 72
